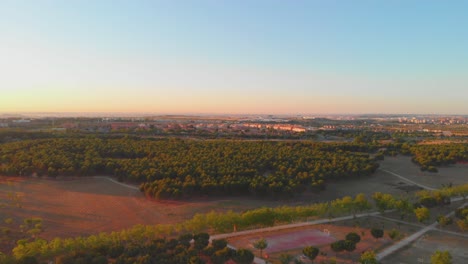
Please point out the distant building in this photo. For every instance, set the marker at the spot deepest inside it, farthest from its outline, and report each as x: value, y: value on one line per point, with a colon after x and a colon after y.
x: 123, y: 125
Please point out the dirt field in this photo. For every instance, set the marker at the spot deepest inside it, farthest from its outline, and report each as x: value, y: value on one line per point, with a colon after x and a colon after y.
x: 456, y: 173
x: 87, y: 206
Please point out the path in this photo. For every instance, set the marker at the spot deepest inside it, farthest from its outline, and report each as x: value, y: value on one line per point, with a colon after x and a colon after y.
x: 390, y: 250
x: 408, y: 180
x: 408, y: 240
x: 117, y: 182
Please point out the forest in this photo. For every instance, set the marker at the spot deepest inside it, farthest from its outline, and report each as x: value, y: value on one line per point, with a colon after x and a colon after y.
x: 174, y: 168
x: 431, y: 156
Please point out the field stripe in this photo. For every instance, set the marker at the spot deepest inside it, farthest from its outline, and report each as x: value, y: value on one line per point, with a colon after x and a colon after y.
x: 117, y: 182
x: 408, y: 180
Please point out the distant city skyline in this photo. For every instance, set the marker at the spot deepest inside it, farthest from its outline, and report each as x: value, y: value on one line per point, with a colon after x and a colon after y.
x: 234, y: 57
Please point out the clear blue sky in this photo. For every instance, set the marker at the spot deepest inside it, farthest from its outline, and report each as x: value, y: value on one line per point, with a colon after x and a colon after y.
x: 236, y: 56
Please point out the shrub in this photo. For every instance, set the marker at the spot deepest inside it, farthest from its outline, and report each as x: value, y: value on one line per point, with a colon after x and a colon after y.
x: 338, y: 246
x: 353, y: 237
x: 441, y: 257
x: 349, y: 245
x: 428, y: 201
x: 443, y: 220
x: 368, y: 257
x: 377, y: 233
x: 394, y: 234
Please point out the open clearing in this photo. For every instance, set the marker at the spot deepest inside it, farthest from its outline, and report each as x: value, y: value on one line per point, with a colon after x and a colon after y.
x: 402, y: 165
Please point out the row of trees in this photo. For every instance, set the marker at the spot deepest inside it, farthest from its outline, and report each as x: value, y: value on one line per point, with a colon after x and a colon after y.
x: 181, y: 168
x: 222, y: 223
x: 212, y: 222
x: 186, y: 248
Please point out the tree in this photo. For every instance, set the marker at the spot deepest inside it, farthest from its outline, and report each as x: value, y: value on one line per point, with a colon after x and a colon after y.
x: 422, y: 213
x: 377, y: 233
x: 221, y: 256
x: 441, y: 257
x: 353, y: 237
x: 285, y: 258
x: 201, y: 240
x: 443, y: 220
x: 338, y: 246
x: 368, y: 257
x: 196, y: 260
x: 219, y: 244
x: 463, y: 224
x: 243, y: 256
x: 349, y: 245
x: 28, y: 260
x: 394, y: 234
x: 310, y: 252
x: 361, y: 203
x: 185, y: 239
x: 261, y: 244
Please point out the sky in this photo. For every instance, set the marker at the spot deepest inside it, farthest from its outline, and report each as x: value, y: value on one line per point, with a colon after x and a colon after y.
x: 234, y: 57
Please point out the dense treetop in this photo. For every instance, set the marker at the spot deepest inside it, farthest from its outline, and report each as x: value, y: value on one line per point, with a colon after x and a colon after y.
x: 173, y: 168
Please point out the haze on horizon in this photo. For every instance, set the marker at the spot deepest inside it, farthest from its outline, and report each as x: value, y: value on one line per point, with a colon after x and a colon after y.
x: 263, y: 57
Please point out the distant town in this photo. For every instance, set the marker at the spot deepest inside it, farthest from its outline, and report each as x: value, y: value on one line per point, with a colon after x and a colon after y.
x: 269, y: 126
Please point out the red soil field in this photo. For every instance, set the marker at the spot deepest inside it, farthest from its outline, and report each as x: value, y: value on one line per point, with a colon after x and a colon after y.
x: 297, y: 239
x: 292, y: 241
x: 84, y: 206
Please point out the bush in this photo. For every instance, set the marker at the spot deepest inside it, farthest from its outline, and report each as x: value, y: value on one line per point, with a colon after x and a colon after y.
x: 310, y: 252
x: 441, y: 257
x: 428, y: 201
x: 353, y: 237
x: 377, y: 233
x: 368, y: 257
x: 243, y: 256
x: 28, y: 260
x: 99, y: 260
x: 443, y: 221
x: 219, y: 244
x: 349, y: 245
x: 116, y: 251
x: 461, y: 213
x: 338, y: 246
x: 394, y: 234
